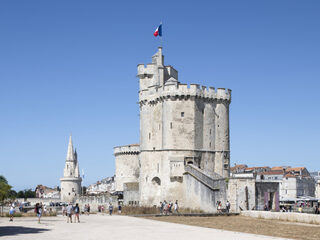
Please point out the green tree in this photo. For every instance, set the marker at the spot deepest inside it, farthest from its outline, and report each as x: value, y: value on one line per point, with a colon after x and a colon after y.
x: 4, y: 188
x: 20, y: 194
x: 13, y: 194
x: 28, y: 193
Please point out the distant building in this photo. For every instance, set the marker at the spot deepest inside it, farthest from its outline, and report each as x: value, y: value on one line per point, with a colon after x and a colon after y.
x: 267, y: 187
x: 46, y: 192
x: 238, y: 168
x: 106, y: 185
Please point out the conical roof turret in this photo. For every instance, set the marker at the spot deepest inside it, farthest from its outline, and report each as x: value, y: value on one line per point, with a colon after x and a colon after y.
x: 70, y: 153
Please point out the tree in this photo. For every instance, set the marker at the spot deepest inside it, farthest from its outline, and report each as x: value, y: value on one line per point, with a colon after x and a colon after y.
x: 4, y: 188
x: 13, y: 194
x: 27, y: 193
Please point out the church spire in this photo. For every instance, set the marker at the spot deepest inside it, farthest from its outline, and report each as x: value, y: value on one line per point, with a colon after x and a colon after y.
x: 70, y: 153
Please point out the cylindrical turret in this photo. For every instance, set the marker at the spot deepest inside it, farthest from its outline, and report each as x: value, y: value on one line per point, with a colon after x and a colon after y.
x: 222, y: 143
x: 127, y: 164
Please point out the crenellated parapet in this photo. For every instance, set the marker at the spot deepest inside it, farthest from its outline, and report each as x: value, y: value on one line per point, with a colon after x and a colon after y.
x: 132, y: 149
x: 177, y: 91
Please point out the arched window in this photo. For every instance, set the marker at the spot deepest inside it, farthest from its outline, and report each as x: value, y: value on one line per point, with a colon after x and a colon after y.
x: 156, y: 181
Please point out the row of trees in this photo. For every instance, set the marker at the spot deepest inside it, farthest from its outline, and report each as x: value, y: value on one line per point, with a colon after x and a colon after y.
x: 7, y: 193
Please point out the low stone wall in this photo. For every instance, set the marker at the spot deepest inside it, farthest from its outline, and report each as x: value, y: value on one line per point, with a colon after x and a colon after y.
x: 95, y: 201
x: 284, y: 216
x: 33, y: 201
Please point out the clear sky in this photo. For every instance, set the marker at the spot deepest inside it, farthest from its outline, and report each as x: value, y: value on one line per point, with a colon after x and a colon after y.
x: 70, y: 66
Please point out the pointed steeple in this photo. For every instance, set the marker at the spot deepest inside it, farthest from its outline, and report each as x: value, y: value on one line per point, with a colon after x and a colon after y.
x: 75, y: 154
x: 70, y: 153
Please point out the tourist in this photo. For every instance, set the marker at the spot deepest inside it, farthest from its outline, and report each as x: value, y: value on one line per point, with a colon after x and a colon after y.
x: 76, y: 213
x: 119, y: 208
x: 110, y: 209
x: 220, y: 207
x: 38, y: 211
x: 69, y: 212
x: 228, y: 206
x: 161, y: 208
x: 64, y: 211
x: 176, y: 207
x: 166, y: 207
x: 88, y: 207
x: 44, y: 210
x: 85, y: 209
x: 12, y: 211
x: 170, y: 207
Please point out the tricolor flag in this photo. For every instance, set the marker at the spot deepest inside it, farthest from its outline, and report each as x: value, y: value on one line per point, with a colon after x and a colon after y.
x: 158, y: 31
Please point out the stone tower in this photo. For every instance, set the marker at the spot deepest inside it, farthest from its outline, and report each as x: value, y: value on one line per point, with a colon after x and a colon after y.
x: 179, y: 125
x: 71, y: 181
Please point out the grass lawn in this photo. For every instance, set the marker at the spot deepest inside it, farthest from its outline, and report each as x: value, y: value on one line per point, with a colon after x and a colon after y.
x: 250, y: 225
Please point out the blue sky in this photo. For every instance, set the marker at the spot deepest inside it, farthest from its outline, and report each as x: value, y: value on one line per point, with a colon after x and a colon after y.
x: 70, y: 66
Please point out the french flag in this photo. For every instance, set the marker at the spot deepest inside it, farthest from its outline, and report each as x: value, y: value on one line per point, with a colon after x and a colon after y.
x: 158, y: 31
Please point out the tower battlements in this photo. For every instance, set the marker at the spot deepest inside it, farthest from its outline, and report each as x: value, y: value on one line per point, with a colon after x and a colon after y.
x: 127, y: 149
x: 183, y: 90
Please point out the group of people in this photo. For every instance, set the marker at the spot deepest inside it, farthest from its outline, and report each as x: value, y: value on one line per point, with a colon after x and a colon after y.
x: 220, y: 208
x: 71, y: 210
x: 86, y: 209
x: 166, y: 208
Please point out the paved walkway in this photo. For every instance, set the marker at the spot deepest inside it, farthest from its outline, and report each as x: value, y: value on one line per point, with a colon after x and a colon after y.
x: 100, y: 227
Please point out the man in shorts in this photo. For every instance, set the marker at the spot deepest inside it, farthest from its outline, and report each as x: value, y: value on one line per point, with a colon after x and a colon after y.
x: 69, y: 212
x: 11, y: 212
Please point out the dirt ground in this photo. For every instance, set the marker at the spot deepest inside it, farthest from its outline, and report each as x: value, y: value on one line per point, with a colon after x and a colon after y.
x: 250, y: 225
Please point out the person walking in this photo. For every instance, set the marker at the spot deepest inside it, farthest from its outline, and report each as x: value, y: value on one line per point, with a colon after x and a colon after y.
x: 228, y: 206
x: 161, y: 208
x: 88, y: 207
x: 110, y: 209
x: 38, y: 211
x: 119, y: 208
x: 176, y: 207
x: 76, y: 213
x: 11, y: 212
x: 170, y: 207
x: 69, y: 212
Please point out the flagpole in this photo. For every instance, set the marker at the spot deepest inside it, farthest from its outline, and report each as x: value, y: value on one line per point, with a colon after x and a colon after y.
x: 161, y: 40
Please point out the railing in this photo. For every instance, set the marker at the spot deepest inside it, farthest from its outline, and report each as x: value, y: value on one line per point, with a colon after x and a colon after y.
x: 213, y: 181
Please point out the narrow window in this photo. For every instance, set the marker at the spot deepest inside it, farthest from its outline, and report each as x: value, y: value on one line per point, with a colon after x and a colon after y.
x: 182, y: 114
x: 210, y: 131
x: 149, y: 136
x: 171, y: 125
x: 159, y: 126
x: 158, y: 167
x: 210, y: 144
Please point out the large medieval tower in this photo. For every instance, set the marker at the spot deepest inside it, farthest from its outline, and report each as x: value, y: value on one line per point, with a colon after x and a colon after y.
x: 71, y: 181
x: 179, y: 125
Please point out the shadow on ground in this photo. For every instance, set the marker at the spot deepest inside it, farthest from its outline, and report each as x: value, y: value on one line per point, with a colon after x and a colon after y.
x: 15, y: 230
